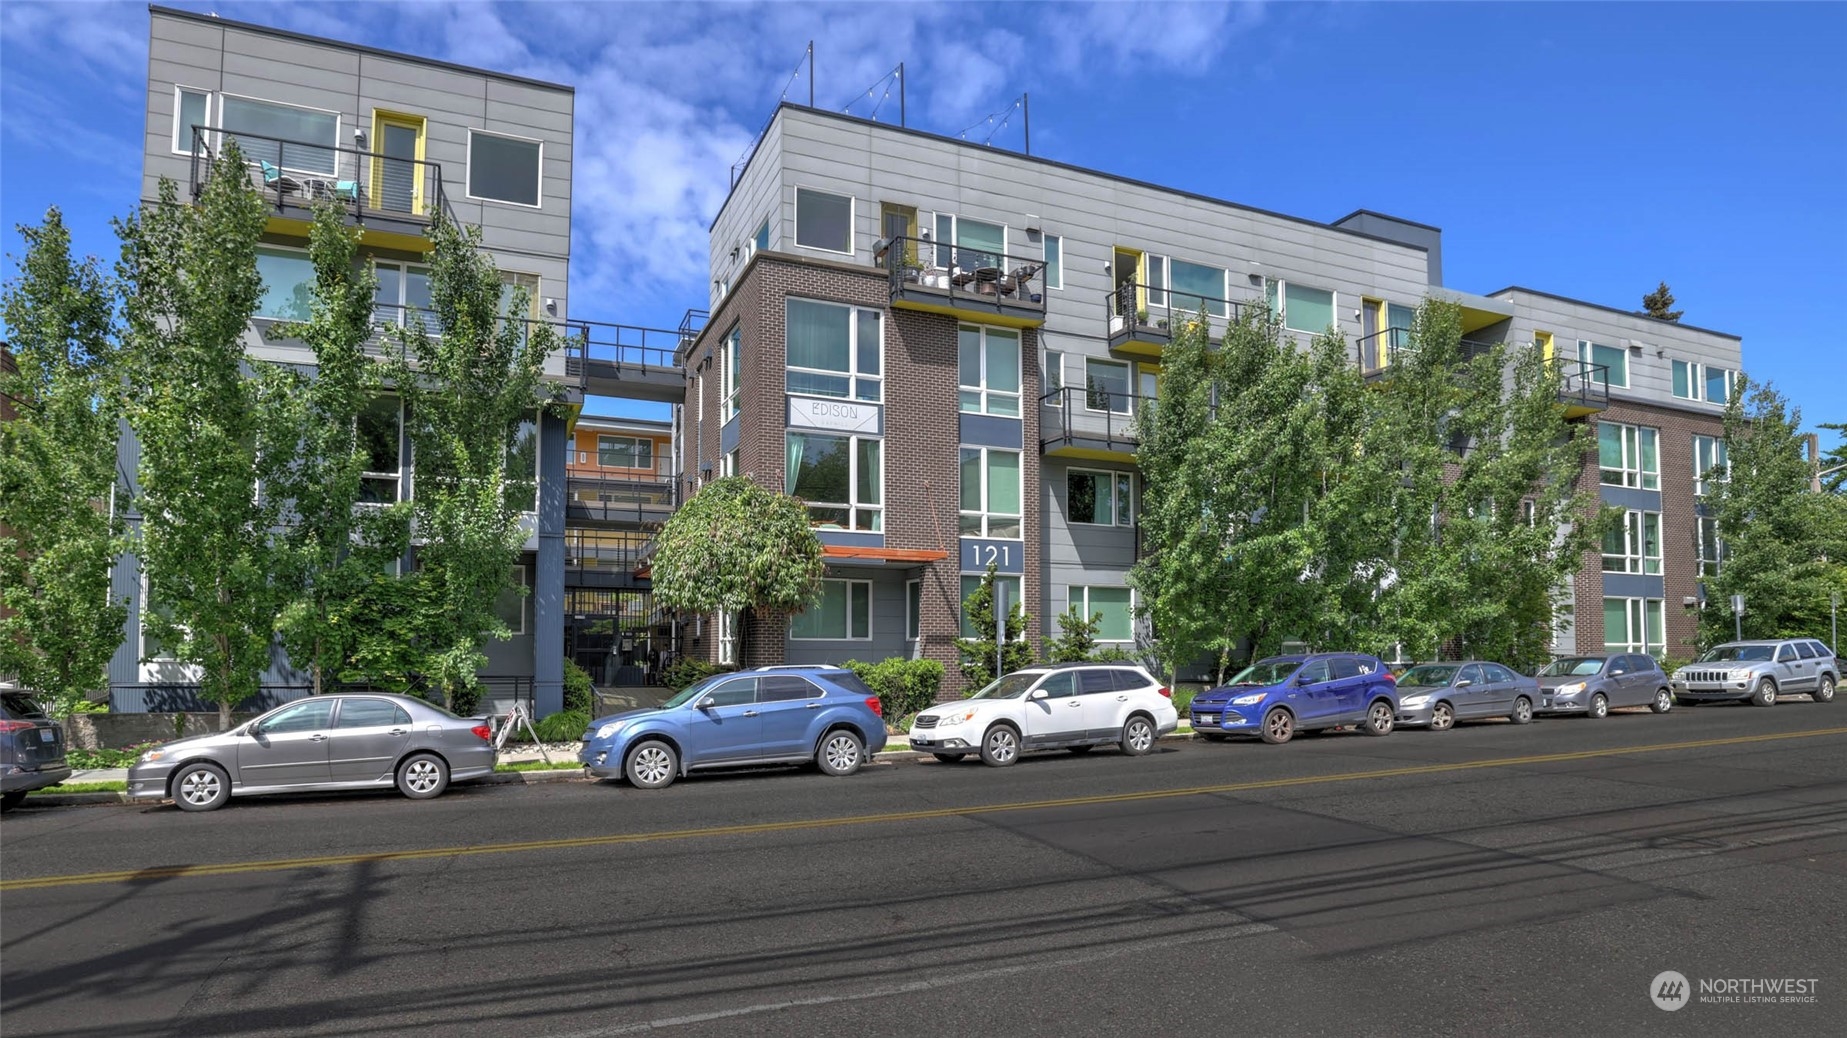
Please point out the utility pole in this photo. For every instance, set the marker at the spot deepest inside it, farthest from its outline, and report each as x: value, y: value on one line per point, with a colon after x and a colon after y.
x: 1737, y: 618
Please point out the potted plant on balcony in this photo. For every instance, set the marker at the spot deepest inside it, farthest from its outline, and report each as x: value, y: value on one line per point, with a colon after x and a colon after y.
x: 1141, y: 316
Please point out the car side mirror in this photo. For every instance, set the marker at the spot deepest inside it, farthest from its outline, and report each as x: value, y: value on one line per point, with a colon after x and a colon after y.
x: 1618, y: 673
x: 1464, y: 683
x: 1038, y: 693
x: 706, y: 703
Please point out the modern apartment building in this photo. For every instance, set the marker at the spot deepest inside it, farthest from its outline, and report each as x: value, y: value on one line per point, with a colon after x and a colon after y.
x: 394, y: 139
x: 940, y: 347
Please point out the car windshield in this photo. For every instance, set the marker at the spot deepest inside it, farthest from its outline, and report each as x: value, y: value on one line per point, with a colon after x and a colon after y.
x: 1268, y: 672
x: 687, y: 694
x: 1428, y: 675
x: 1011, y: 686
x: 1573, y: 666
x: 1742, y: 653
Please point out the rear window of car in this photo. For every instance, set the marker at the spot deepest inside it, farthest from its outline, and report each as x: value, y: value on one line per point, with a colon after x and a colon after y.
x: 18, y: 706
x: 1496, y: 672
x: 370, y: 713
x: 850, y: 681
x: 1348, y: 667
x: 1806, y: 649
x: 1129, y: 680
x: 1095, y: 681
x: 1822, y: 651
x: 782, y: 688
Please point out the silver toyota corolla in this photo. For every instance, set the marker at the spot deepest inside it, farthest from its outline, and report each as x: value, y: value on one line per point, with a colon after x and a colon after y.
x: 328, y: 742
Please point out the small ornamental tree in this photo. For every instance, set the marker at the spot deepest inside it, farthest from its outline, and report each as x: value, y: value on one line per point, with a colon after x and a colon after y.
x: 1077, y: 638
x: 59, y: 531
x: 736, y: 546
x: 977, y: 653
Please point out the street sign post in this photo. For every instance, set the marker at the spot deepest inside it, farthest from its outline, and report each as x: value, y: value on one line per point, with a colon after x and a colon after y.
x: 1000, y: 628
x: 1738, y: 618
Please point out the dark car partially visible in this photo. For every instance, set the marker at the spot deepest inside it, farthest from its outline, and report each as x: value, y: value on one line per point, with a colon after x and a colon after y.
x: 31, y: 749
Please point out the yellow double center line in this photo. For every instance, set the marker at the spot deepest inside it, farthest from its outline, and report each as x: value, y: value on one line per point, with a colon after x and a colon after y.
x: 614, y: 839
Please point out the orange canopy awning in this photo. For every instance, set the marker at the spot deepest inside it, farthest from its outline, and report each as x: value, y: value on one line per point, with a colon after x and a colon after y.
x: 846, y: 553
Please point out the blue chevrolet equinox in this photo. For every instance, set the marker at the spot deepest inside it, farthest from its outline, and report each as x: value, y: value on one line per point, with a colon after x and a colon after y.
x: 1277, y: 697
x: 775, y: 715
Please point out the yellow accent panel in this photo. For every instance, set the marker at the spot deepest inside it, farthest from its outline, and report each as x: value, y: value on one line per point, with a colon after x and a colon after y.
x: 290, y: 227
x: 1547, y: 347
x: 1088, y: 453
x: 1141, y: 348
x: 972, y: 316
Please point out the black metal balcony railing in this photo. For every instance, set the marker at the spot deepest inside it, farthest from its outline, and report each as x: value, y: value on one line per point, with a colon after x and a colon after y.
x: 622, y: 347
x: 1092, y: 417
x: 1582, y: 385
x: 962, y: 276
x: 606, y: 552
x: 301, y: 173
x: 1135, y: 312
x: 619, y: 494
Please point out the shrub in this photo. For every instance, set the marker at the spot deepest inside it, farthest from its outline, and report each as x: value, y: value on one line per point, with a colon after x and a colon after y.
x: 565, y: 727
x: 578, y: 688
x: 686, y: 670
x: 84, y: 760
x: 903, y: 686
x: 1183, y: 699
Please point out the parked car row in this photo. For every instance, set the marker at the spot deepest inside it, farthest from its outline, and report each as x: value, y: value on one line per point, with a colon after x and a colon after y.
x: 828, y: 716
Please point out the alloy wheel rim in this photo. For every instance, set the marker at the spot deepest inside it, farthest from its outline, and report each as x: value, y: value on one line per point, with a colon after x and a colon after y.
x: 651, y: 765
x: 1599, y: 706
x: 1825, y: 691
x: 1523, y: 710
x: 842, y: 752
x: 421, y: 776
x: 1663, y: 701
x: 1769, y: 693
x: 1000, y: 745
x: 1440, y: 718
x: 1279, y: 724
x: 1139, y: 736
x: 1382, y: 717
x: 200, y: 787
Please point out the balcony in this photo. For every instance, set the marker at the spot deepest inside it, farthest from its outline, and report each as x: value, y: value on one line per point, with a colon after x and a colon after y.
x: 1387, y: 349
x: 986, y: 286
x: 1094, y: 423
x: 1133, y: 326
x: 394, y: 198
x: 604, y: 558
x: 1583, y: 388
x: 618, y: 494
x: 623, y: 360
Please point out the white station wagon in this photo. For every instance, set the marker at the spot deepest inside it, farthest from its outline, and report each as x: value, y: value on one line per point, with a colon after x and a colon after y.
x: 1068, y: 706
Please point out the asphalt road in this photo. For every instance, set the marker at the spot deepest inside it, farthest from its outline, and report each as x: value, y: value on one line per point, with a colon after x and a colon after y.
x: 1489, y: 880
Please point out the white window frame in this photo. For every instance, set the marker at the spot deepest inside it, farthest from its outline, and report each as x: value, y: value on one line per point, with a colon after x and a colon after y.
x: 141, y: 634
x: 853, y: 507
x: 468, y: 164
x: 400, y: 307
x: 1052, y: 378
x: 1113, y: 479
x: 1637, y: 612
x: 853, y: 375
x: 653, y: 455
x: 982, y: 392
x: 1015, y: 580
x: 339, y: 125
x: 731, y: 354
x: 850, y: 636
x: 987, y: 514
x: 1053, y: 243
x: 1709, y: 453
x: 728, y: 465
x: 1587, y: 356
x: 183, y: 146
x: 1637, y: 556
x: 752, y: 245
x: 1128, y: 394
x: 397, y: 477
x: 1632, y: 474
x: 1071, y: 606
x: 1281, y: 304
x: 1703, y: 565
x: 913, y: 610
x: 1697, y: 373
x: 954, y: 243
x: 305, y: 254
x: 852, y: 221
x: 1224, y: 293
x: 727, y: 636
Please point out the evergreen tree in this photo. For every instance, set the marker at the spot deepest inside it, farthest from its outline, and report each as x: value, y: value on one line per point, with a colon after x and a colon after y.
x: 1660, y: 304
x: 978, y: 653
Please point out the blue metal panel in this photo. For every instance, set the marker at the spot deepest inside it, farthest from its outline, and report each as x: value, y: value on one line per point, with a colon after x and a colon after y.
x: 849, y: 539
x: 548, y: 573
x: 978, y: 553
x: 728, y: 434
x: 1627, y: 497
x: 985, y: 430
x: 1633, y: 585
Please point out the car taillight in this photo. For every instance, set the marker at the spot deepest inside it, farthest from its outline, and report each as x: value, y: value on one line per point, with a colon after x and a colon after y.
x: 486, y: 733
x: 1168, y: 692
x: 15, y: 726
x: 873, y: 704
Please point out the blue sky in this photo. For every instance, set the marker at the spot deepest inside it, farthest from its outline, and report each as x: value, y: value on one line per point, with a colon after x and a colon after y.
x: 1588, y: 150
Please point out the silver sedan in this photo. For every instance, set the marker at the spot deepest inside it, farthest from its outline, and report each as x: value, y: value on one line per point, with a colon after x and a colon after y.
x: 1438, y: 695
x: 327, y: 742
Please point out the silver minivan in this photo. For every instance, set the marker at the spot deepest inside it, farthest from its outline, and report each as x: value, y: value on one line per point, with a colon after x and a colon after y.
x: 1595, y: 685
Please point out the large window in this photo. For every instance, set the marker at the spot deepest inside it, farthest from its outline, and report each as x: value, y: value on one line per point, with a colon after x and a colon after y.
x: 288, y: 283
x: 1710, y: 464
x: 990, y: 492
x: 1100, y: 498
x: 839, y: 478
x: 761, y: 240
x: 1110, y: 605
x: 727, y: 636
x: 282, y: 135
x: 1634, y: 625
x: 1629, y: 456
x: 1196, y: 285
x: 823, y: 221
x: 1708, y: 550
x: 1106, y: 386
x: 381, y: 441
x: 403, y: 297
x: 1054, y: 261
x: 843, y: 612
x: 152, y: 648
x: 191, y: 108
x: 624, y: 452
x: 913, y: 609
x: 969, y: 244
x: 503, y: 169
x: 730, y: 373
x: 1694, y: 381
x: 834, y: 350
x: 521, y: 492
x: 1633, y: 545
x: 510, y: 603
x: 971, y: 582
x: 989, y: 360
x: 1302, y: 309
x: 1613, y: 358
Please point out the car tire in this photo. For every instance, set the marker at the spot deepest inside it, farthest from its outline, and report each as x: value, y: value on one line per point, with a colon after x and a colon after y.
x: 200, y: 787
x: 1824, y: 689
x: 841, y: 753
x: 1523, y: 711
x: 423, y: 776
x: 1442, y: 717
x: 1085, y: 748
x: 949, y: 758
x: 1599, y: 707
x: 1278, y: 726
x: 1380, y: 718
x: 1137, y: 736
x: 651, y: 764
x: 1764, y: 694
x: 1000, y: 747
x: 11, y: 800
x: 1664, y: 701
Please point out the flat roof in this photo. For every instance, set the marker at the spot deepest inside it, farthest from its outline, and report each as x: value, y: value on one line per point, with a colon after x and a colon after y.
x: 1389, y: 216
x: 1616, y: 310
x: 212, y: 19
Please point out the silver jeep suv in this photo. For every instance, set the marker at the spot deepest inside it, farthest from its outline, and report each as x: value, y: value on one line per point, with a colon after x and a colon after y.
x: 1760, y: 671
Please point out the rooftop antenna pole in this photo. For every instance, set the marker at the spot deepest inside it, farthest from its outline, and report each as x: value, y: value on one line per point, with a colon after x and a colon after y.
x: 811, y: 73
x: 1026, y: 113
x: 901, y: 93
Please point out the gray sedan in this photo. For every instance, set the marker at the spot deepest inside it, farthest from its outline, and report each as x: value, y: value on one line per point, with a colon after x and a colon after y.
x: 328, y: 742
x: 1438, y: 695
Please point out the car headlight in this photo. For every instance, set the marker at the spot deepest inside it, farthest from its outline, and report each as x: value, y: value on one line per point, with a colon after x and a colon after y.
x: 610, y: 729
x: 152, y: 755
x: 956, y: 717
x: 1414, y: 701
x: 1570, y: 690
x: 1251, y: 700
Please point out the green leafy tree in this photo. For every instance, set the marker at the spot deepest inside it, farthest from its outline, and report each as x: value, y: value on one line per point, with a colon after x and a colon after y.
x: 212, y: 427
x: 1784, y: 546
x: 734, y: 547
x: 978, y: 653
x: 59, y: 532
x: 1660, y: 304
x: 471, y: 380
x: 1834, y: 460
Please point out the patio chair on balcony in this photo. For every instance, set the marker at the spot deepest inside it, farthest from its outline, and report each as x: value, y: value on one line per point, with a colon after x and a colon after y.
x: 1014, y: 283
x: 274, y: 178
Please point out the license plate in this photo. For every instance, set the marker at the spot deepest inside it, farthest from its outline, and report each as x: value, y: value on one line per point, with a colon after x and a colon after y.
x: 47, y: 735
x: 1208, y: 718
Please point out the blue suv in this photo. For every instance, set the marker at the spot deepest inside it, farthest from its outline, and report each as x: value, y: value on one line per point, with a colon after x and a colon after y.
x: 775, y: 715
x: 1277, y: 697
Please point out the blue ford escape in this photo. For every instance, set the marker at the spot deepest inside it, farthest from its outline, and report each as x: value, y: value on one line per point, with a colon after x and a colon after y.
x: 1277, y: 697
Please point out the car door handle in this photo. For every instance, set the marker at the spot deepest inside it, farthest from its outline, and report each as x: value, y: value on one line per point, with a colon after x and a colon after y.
x: 1072, y: 702
x: 395, y: 731
x: 814, y: 706
x: 1122, y: 699
x: 317, y: 737
x: 750, y: 713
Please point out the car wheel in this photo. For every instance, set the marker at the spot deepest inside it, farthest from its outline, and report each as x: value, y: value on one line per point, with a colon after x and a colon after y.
x: 1278, y: 726
x: 1086, y: 748
x: 1664, y: 701
x: 423, y: 776
x: 1523, y: 711
x: 1765, y: 693
x: 200, y: 787
x: 1824, y: 690
x: 949, y: 758
x: 1442, y: 717
x: 1000, y: 747
x: 11, y: 800
x: 1599, y: 706
x: 1379, y: 719
x: 1137, y: 736
x: 652, y: 765
x: 841, y: 753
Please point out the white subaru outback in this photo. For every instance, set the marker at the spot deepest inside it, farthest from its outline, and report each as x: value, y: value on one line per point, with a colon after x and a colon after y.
x: 1068, y: 706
